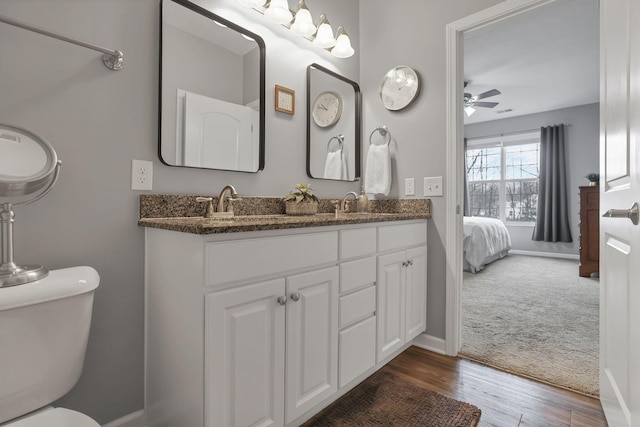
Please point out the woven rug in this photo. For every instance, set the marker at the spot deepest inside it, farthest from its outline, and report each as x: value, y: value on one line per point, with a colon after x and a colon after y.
x: 385, y: 399
x: 534, y: 317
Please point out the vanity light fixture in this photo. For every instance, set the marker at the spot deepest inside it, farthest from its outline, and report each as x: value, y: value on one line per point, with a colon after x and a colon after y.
x: 343, y: 47
x: 278, y: 12
x: 301, y: 23
x: 252, y: 3
x: 324, y: 36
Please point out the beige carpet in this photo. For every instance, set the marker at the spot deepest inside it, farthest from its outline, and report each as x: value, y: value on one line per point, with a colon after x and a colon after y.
x: 385, y: 399
x: 535, y: 317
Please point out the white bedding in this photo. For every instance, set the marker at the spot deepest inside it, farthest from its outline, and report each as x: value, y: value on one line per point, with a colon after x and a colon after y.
x: 485, y: 240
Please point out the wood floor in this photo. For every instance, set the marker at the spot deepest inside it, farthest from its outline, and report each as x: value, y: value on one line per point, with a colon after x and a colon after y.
x: 506, y: 400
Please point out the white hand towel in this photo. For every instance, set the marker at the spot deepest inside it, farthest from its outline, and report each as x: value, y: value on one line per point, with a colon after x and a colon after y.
x: 377, y: 178
x: 333, y: 166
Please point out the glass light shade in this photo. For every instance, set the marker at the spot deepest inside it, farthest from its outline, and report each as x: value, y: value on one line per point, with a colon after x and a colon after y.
x: 469, y: 111
x: 278, y: 12
x: 343, y: 47
x: 252, y: 3
x: 303, y: 24
x: 324, y: 36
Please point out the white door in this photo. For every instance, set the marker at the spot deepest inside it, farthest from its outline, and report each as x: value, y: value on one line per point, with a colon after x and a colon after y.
x: 391, y: 303
x: 312, y: 340
x: 244, y: 356
x: 619, y: 189
x: 416, y: 293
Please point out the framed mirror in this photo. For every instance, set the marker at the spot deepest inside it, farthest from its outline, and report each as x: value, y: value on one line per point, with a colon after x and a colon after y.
x: 334, y: 120
x: 212, y: 91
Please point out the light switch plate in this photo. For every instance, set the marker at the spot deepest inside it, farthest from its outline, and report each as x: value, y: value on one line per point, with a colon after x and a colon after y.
x: 409, y: 187
x: 433, y: 186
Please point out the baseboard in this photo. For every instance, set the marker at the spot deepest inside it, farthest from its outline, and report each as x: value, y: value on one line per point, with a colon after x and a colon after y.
x: 135, y: 419
x: 431, y: 343
x: 545, y: 254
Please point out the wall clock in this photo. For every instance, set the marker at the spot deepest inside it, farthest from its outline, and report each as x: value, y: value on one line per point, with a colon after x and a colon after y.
x: 399, y: 88
x: 285, y: 100
x: 327, y: 109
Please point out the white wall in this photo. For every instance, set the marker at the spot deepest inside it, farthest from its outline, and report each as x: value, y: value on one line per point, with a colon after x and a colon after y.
x: 412, y: 32
x: 582, y: 151
x: 98, y: 120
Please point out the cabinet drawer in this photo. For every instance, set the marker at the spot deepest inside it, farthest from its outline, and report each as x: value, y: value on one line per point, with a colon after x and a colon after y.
x: 358, y: 242
x: 252, y: 258
x: 357, y: 346
x: 357, y: 274
x: 357, y: 305
x: 400, y: 236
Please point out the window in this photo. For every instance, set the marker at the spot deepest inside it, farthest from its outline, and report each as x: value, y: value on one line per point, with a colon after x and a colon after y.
x: 503, y: 176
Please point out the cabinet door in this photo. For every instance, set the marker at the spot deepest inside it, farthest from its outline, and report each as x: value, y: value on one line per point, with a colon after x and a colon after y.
x: 391, y: 302
x: 244, y: 356
x: 312, y: 340
x: 416, y: 289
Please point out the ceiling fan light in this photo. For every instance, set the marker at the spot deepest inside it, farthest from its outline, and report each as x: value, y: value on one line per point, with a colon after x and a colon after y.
x: 252, y: 3
x: 278, y: 12
x: 468, y: 110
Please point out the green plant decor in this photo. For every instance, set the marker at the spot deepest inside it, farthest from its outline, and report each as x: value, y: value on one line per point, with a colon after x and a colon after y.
x: 301, y: 194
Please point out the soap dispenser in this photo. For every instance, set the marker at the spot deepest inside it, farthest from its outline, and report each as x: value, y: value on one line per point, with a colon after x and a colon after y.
x: 363, y: 202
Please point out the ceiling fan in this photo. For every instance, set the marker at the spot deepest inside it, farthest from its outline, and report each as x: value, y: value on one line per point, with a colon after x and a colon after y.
x: 471, y: 101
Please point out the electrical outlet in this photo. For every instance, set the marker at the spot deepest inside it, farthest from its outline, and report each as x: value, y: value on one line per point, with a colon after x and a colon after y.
x: 409, y: 187
x: 433, y: 186
x: 141, y: 175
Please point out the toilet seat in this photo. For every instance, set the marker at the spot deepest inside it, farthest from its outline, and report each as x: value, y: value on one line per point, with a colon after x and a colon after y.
x: 55, y: 417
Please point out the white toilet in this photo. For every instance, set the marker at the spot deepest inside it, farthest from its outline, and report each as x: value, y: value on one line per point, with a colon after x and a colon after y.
x: 44, y: 327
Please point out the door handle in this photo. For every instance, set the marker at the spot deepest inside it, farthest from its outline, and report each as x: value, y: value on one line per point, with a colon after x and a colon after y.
x: 631, y: 213
x: 282, y: 300
x: 295, y: 296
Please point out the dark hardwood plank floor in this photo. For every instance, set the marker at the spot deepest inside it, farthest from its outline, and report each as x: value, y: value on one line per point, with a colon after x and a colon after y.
x: 505, y: 399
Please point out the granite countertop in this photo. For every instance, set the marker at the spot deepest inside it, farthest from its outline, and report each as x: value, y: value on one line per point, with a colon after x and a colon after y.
x: 183, y: 214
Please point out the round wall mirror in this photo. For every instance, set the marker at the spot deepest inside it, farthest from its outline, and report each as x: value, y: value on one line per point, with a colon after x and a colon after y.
x: 28, y: 170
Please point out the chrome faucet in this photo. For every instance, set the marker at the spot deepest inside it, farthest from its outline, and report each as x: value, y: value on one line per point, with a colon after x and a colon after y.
x: 343, y: 203
x: 233, y: 197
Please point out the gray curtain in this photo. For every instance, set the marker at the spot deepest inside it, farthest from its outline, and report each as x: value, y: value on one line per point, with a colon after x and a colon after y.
x: 466, y: 202
x: 552, y: 220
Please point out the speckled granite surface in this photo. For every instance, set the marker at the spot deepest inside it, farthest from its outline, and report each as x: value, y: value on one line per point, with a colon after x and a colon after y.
x: 183, y: 213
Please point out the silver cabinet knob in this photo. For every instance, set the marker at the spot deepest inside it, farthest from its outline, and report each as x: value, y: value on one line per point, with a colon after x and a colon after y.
x: 295, y: 296
x: 631, y: 213
x: 282, y: 300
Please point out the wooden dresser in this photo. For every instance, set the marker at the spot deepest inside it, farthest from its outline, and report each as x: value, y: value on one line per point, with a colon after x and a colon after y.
x: 589, y: 230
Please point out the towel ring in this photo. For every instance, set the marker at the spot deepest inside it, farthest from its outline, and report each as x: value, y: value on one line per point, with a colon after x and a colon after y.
x: 384, y: 131
x: 339, y: 138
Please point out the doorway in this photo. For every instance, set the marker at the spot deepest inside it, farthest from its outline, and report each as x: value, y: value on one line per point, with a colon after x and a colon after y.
x: 474, y: 25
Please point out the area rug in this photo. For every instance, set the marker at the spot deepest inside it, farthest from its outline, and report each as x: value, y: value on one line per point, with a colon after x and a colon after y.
x: 534, y: 317
x: 385, y: 399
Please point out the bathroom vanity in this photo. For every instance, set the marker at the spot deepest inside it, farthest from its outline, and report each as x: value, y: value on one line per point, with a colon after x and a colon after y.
x: 267, y: 327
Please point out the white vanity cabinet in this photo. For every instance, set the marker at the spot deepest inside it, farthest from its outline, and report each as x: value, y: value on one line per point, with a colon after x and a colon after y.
x: 401, y: 288
x: 268, y: 327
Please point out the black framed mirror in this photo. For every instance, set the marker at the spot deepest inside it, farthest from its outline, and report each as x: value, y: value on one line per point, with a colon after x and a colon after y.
x: 334, y: 121
x: 212, y: 91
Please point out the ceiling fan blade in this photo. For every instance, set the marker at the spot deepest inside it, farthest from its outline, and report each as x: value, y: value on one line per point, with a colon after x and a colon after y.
x: 487, y: 94
x: 485, y: 104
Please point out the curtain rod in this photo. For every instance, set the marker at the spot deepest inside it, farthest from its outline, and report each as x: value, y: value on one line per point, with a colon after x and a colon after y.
x: 513, y: 133
x: 112, y: 59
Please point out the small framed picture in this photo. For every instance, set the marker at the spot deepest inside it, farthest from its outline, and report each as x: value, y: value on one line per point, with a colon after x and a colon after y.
x: 285, y: 100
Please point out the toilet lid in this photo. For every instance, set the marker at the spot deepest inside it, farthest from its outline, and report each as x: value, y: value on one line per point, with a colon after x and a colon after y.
x: 55, y: 417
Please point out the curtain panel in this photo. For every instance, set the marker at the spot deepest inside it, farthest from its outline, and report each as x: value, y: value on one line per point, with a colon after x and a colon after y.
x: 552, y: 219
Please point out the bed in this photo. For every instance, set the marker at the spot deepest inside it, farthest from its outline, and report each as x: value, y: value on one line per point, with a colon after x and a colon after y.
x: 485, y: 240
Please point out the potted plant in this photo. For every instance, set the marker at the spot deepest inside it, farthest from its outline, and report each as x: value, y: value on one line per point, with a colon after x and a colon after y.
x: 301, y: 201
x: 594, y: 179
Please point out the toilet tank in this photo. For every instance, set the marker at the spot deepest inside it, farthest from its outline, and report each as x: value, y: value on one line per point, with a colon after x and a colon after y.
x: 44, y: 327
